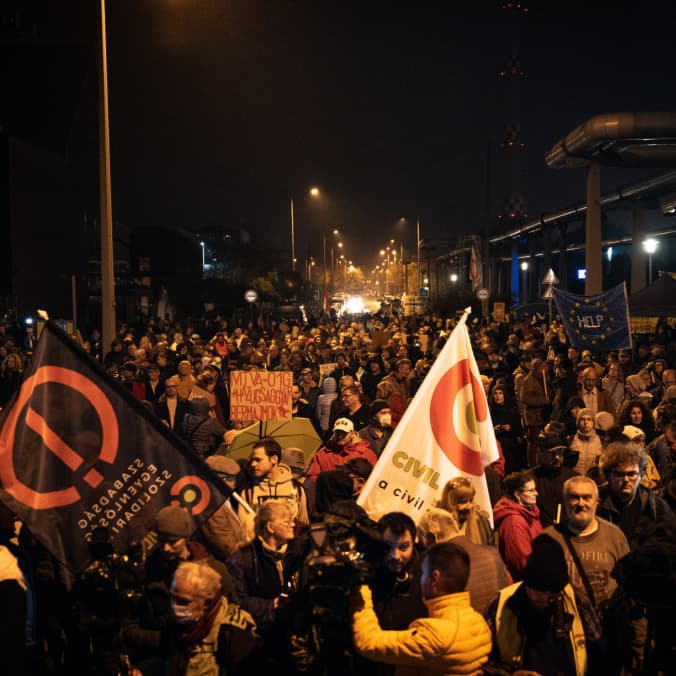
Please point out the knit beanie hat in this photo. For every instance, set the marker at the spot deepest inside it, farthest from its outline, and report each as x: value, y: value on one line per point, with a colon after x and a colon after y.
x: 377, y: 406
x: 604, y: 421
x: 585, y: 411
x: 546, y: 568
x: 636, y: 381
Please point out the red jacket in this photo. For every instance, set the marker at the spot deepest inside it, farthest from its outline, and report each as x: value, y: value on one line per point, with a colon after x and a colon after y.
x: 325, y: 458
x: 517, y: 527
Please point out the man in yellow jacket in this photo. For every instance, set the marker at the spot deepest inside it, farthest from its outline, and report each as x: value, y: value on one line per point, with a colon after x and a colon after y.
x: 454, y: 639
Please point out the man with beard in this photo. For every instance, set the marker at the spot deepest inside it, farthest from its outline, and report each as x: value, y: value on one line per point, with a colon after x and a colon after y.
x: 397, y: 595
x: 551, y: 473
x: 536, y: 624
x: 624, y: 501
x: 343, y: 445
x: 599, y: 545
x: 379, y: 430
x: 174, y: 545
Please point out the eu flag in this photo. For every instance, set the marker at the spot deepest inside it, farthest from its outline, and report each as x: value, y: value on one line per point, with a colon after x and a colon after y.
x: 78, y: 452
x: 598, y: 323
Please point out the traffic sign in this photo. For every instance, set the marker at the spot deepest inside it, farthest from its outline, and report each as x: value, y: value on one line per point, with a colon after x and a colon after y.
x: 483, y: 294
x: 251, y: 295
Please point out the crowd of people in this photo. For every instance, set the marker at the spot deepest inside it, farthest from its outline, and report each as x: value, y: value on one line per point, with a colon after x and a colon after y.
x: 574, y: 571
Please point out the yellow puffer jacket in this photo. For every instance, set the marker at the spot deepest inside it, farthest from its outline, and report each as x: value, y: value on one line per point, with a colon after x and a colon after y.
x: 454, y: 639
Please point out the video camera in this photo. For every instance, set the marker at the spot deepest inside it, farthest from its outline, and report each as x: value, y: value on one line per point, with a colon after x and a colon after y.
x: 347, y: 551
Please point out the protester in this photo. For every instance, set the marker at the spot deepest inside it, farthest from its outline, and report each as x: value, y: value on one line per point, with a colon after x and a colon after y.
x: 457, y: 497
x: 454, y: 639
x: 343, y: 444
x: 517, y: 521
x: 536, y: 624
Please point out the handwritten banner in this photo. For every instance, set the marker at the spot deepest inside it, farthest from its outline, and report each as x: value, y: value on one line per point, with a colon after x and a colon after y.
x: 260, y: 395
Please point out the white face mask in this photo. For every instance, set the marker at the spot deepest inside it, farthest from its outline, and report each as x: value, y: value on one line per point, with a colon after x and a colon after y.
x: 182, y: 614
x: 385, y: 420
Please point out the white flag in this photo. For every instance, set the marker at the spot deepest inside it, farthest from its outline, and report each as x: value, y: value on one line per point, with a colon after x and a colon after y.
x: 445, y: 432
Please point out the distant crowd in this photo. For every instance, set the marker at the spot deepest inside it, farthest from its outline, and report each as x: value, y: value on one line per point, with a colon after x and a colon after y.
x: 574, y: 571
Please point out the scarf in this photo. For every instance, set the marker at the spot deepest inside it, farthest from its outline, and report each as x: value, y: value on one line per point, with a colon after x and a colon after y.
x: 193, y: 636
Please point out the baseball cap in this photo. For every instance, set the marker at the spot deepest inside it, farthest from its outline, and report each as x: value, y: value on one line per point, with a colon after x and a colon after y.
x: 632, y: 432
x: 343, y: 425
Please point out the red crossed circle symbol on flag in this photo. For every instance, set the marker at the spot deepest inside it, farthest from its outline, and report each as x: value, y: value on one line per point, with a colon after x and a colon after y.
x: 443, y: 404
x: 52, y: 442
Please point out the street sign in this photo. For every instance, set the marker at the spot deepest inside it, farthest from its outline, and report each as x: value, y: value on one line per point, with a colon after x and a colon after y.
x: 483, y: 294
x: 251, y: 295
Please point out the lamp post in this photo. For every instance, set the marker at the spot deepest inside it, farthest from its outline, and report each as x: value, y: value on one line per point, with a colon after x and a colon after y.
x: 524, y: 272
x: 650, y: 247
x: 203, y: 257
x: 326, y: 275
x: 293, y: 235
x: 105, y: 200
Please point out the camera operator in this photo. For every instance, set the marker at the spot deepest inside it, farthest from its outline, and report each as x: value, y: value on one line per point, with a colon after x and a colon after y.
x: 536, y: 624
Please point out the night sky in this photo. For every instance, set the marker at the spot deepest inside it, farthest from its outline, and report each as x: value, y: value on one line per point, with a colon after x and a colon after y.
x: 222, y: 110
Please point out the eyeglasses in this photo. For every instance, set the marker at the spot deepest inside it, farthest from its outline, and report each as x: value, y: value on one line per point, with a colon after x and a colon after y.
x: 290, y: 523
x: 633, y: 475
x: 528, y: 490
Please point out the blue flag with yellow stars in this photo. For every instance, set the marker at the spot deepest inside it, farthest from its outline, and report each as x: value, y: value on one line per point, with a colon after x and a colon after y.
x: 598, y: 323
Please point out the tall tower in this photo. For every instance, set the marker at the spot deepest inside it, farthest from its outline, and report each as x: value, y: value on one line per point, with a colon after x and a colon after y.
x: 510, y: 162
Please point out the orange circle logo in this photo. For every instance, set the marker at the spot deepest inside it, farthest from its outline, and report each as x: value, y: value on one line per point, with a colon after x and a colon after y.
x: 51, y: 441
x: 459, y: 389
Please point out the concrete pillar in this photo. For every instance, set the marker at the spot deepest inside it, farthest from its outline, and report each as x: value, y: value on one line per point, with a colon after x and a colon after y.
x: 546, y: 248
x: 516, y: 295
x: 638, y: 255
x: 594, y: 282
x: 533, y: 271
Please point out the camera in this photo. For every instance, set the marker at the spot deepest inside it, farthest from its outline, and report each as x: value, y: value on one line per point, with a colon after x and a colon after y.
x: 347, y: 551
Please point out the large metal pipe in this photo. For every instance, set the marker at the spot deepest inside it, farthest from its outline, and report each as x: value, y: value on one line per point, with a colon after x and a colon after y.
x: 650, y: 136
x: 633, y: 190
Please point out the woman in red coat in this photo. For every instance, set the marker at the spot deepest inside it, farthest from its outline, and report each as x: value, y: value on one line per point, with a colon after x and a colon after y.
x: 517, y: 521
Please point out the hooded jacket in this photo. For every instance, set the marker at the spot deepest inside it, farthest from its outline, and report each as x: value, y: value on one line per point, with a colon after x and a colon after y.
x: 284, y: 487
x: 201, y: 431
x: 329, y: 393
x: 533, y: 397
x: 326, y: 458
x: 517, y: 527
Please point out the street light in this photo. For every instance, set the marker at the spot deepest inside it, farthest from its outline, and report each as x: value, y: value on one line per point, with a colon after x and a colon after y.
x: 524, y: 270
x: 335, y: 233
x: 203, y: 256
x: 650, y: 247
x: 314, y: 192
x: 105, y: 200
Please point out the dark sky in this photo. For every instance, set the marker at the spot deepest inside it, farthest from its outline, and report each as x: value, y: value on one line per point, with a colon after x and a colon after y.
x: 222, y: 110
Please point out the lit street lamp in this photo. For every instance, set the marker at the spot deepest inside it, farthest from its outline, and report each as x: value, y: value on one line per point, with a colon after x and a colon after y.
x: 650, y: 247
x: 524, y: 271
x: 203, y: 257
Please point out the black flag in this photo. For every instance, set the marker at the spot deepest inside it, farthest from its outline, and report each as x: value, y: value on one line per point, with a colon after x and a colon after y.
x: 79, y: 452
